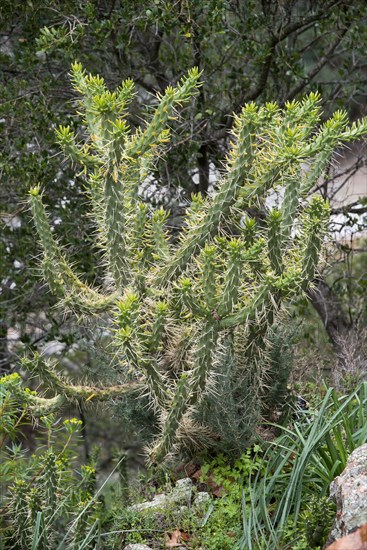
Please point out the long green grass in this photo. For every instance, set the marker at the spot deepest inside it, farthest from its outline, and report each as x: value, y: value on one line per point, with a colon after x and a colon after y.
x: 303, y: 460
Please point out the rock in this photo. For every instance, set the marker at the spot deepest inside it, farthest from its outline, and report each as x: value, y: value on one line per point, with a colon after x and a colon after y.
x: 137, y: 547
x: 349, y: 491
x: 183, y: 489
x: 354, y: 541
x: 181, y: 494
x: 158, y: 502
x: 201, y: 499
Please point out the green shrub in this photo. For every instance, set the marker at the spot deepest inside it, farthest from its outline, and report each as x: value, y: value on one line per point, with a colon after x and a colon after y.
x: 45, y: 503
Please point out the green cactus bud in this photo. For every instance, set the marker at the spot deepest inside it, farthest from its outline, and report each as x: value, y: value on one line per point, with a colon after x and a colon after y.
x: 158, y: 326
x: 22, y: 527
x: 50, y: 480
x: 275, y: 241
x: 172, y: 422
x: 317, y: 216
x: 203, y: 358
x: 232, y: 280
x: 186, y: 294
x: 115, y: 221
x: 290, y: 201
x: 160, y: 238
x: 208, y: 276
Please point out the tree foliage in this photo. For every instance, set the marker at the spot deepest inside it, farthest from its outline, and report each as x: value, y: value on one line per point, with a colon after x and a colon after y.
x: 262, y: 51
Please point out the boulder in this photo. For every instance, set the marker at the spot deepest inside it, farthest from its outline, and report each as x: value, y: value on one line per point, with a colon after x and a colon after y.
x: 202, y: 499
x: 355, y: 541
x: 180, y: 494
x: 349, y: 491
x: 137, y: 547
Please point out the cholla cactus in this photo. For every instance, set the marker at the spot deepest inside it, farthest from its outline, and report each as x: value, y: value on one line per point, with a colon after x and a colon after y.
x: 227, y: 273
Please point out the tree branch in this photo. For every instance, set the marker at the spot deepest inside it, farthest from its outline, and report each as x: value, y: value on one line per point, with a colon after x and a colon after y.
x: 316, y: 69
x: 329, y: 308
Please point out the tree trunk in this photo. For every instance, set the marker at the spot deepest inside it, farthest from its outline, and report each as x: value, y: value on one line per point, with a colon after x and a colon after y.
x: 329, y: 308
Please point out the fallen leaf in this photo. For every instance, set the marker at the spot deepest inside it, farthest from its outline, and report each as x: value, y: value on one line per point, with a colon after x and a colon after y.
x: 197, y: 475
x: 176, y: 538
x: 355, y: 541
x: 187, y: 469
x: 217, y: 490
x: 185, y: 536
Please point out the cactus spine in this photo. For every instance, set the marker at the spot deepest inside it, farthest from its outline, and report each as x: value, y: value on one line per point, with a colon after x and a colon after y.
x: 210, y: 281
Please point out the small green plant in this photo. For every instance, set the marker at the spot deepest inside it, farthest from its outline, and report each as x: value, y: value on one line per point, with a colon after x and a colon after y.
x: 44, y: 503
x: 313, y: 527
x: 316, y: 520
x: 230, y: 476
x: 215, y: 525
x: 222, y: 529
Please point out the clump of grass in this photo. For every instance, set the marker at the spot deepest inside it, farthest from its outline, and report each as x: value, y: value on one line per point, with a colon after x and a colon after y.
x: 302, y: 461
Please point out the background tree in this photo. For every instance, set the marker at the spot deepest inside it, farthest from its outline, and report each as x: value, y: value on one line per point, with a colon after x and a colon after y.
x: 247, y: 50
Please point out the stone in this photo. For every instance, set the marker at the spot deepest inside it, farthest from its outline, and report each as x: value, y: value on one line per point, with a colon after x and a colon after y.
x: 137, y: 547
x: 180, y: 494
x: 349, y: 491
x: 201, y: 499
x: 355, y: 541
x: 183, y: 490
